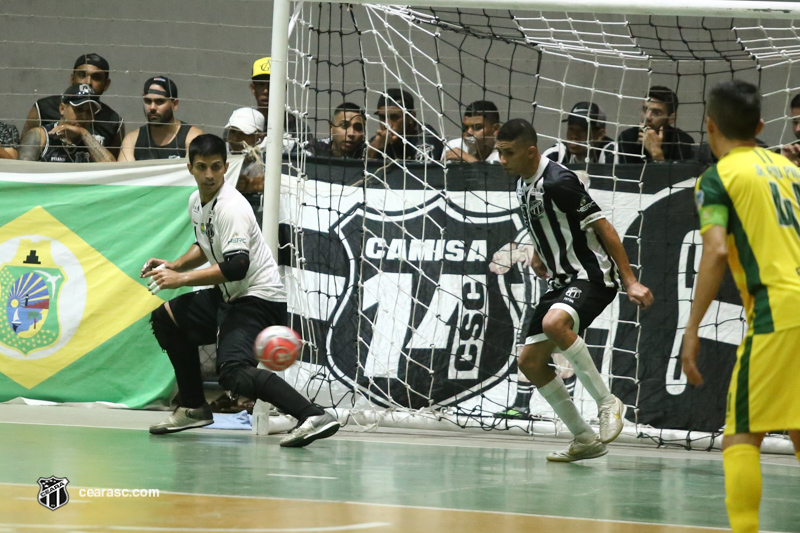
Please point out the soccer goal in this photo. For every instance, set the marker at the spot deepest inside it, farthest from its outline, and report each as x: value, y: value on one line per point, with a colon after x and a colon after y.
x: 389, y: 259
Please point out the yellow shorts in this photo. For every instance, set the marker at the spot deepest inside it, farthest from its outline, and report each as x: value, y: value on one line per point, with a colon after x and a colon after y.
x: 764, y: 394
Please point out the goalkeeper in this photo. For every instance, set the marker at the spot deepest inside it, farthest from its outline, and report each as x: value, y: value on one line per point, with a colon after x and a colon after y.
x: 586, y: 264
x: 247, y: 296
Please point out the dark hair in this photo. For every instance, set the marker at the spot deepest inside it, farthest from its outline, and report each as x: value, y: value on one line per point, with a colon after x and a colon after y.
x: 207, y: 145
x: 795, y: 101
x: 735, y: 107
x: 403, y: 98
x: 518, y: 129
x: 348, y: 106
x: 485, y: 109
x: 666, y: 95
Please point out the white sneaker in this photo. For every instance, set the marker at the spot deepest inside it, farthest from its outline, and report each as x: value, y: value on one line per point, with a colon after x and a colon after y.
x: 612, y: 417
x: 184, y: 418
x: 578, y: 451
x: 315, y: 427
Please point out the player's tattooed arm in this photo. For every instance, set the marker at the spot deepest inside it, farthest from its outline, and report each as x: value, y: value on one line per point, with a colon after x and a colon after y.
x: 30, y: 148
x: 97, y: 151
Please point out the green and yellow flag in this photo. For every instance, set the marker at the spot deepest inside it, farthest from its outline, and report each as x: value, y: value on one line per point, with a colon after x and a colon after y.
x: 74, y: 314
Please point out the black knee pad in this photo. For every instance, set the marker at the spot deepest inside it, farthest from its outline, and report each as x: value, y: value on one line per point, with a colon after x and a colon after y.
x: 164, y: 329
x: 243, y: 379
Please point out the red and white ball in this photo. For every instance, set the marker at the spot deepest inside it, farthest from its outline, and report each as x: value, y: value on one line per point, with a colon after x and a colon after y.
x: 277, y: 347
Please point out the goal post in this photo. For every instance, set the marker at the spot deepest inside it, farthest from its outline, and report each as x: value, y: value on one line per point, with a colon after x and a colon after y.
x: 390, y: 274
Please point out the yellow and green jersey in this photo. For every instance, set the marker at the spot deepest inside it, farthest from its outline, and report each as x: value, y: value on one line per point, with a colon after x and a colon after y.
x: 755, y: 195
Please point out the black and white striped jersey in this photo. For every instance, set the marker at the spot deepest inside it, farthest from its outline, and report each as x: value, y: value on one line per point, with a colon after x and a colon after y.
x: 557, y: 210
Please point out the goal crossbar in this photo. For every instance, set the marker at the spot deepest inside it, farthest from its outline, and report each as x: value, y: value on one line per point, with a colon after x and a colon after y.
x: 701, y: 8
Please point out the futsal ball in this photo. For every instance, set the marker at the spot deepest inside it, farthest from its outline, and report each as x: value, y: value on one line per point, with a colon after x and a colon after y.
x: 277, y: 347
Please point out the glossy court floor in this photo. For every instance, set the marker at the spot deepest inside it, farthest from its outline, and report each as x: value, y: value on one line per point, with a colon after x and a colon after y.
x: 386, y: 482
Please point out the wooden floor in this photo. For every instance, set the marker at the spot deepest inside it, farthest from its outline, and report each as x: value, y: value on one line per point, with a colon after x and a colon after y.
x: 212, y: 480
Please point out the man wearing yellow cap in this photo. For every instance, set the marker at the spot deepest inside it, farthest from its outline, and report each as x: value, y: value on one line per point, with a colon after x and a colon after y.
x: 259, y: 86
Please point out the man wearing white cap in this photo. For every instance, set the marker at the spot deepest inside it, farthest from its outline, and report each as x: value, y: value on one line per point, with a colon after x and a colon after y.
x: 243, y: 134
x: 245, y: 129
x: 70, y: 140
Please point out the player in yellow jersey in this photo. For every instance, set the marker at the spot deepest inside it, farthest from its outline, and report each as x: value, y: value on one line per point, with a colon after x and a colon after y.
x: 749, y: 204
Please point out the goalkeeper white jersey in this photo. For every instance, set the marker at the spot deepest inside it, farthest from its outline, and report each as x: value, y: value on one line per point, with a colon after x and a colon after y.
x: 226, y: 225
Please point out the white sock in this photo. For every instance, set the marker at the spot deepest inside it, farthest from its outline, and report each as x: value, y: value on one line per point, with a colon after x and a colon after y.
x: 578, y: 355
x: 557, y: 396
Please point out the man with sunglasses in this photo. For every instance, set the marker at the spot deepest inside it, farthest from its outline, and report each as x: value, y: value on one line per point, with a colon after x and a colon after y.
x: 164, y: 136
x: 107, y: 126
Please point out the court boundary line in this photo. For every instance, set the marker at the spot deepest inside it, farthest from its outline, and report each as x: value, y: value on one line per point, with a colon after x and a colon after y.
x: 426, y: 508
x: 711, y: 455
x: 321, y: 529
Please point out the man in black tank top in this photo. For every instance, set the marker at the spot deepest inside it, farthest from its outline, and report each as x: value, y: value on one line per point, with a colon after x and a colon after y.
x: 107, y: 126
x: 70, y: 139
x: 164, y: 136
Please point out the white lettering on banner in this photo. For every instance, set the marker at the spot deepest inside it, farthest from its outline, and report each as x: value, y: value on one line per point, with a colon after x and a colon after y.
x: 392, y: 294
x: 463, y: 298
x: 424, y: 250
x: 465, y: 354
x: 434, y: 332
x: 723, y: 322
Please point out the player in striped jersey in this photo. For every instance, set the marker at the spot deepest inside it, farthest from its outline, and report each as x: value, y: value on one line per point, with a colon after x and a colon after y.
x: 580, y: 253
x: 749, y: 204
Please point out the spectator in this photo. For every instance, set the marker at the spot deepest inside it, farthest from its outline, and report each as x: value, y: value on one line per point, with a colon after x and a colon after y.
x: 107, y: 126
x: 244, y: 130
x: 347, y: 133
x: 399, y: 136
x: 70, y: 140
x: 478, y: 129
x: 244, y: 133
x: 792, y: 150
x: 164, y: 136
x: 9, y: 141
x: 586, y: 138
x: 657, y: 138
x: 259, y: 86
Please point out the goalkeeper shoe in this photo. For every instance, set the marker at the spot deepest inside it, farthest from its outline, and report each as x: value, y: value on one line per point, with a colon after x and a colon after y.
x: 611, y: 415
x: 184, y: 418
x: 315, y: 427
x: 577, y: 451
x: 514, y: 413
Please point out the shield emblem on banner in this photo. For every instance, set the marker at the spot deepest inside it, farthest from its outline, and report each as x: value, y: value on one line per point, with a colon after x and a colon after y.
x: 29, y: 288
x: 53, y: 492
x: 423, y: 321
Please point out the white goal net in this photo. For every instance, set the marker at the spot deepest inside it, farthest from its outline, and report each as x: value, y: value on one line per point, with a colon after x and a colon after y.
x: 390, y: 277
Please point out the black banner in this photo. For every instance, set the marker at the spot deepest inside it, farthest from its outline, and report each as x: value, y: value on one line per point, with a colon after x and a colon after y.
x: 410, y: 314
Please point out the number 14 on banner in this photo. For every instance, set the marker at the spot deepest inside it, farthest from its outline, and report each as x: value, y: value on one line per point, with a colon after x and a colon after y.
x: 457, y: 299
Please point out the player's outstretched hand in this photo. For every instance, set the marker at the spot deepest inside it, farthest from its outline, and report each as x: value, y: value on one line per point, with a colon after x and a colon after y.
x: 640, y: 295
x: 502, y: 260
x: 691, y: 345
x: 151, y: 265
